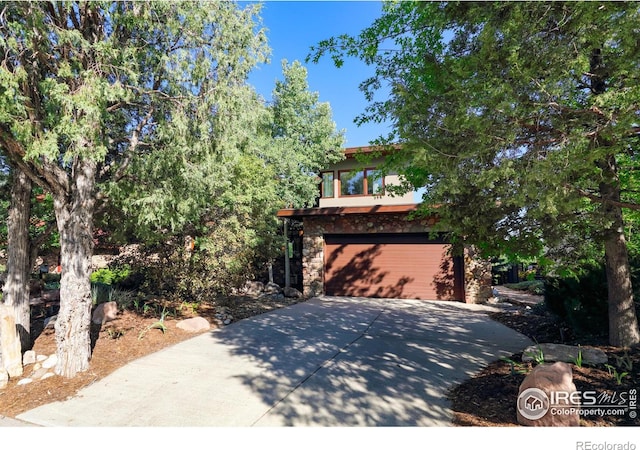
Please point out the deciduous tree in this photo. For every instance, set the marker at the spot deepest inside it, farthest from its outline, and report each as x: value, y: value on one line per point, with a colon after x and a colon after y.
x: 521, y: 120
x: 303, y: 137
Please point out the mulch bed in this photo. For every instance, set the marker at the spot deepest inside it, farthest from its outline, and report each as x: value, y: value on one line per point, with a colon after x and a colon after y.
x: 489, y: 398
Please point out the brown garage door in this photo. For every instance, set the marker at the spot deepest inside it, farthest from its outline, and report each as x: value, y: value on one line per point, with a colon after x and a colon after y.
x: 391, y: 266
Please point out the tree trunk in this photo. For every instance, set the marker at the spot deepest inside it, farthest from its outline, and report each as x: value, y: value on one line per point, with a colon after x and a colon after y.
x: 16, y: 289
x: 9, y: 343
x: 74, y: 215
x: 623, y: 321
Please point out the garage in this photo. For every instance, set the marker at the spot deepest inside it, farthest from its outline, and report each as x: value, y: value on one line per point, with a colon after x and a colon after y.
x: 391, y: 265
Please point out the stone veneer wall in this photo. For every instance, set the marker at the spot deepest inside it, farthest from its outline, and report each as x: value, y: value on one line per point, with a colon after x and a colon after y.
x: 477, y: 277
x: 476, y: 287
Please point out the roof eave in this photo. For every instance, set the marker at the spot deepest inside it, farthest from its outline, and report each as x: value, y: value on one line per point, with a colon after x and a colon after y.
x: 345, y: 210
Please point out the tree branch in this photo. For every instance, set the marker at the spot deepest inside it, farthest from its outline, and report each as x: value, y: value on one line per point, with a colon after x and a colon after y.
x: 48, y: 176
x: 597, y: 199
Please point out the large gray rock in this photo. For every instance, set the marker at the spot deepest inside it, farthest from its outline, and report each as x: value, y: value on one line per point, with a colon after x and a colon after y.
x: 565, y: 353
x: 50, y: 322
x: 29, y: 357
x: 253, y: 288
x: 194, y: 325
x: 105, y: 312
x: 292, y: 292
x: 548, y: 397
x: 272, y: 288
x: 50, y: 362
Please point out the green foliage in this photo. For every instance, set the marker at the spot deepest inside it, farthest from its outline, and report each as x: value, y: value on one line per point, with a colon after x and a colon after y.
x: 111, y: 276
x: 52, y: 285
x: 100, y: 293
x: 158, y: 325
x: 578, y: 360
x: 613, y: 371
x: 155, y: 93
x: 520, y: 121
x: 303, y: 138
x: 516, y: 368
x: 52, y: 278
x: 536, y: 355
x: 140, y: 113
x: 123, y: 298
x: 190, y: 307
x: 496, y: 175
x: 221, y: 261
x: 581, y: 300
x: 624, y: 362
x: 114, y: 333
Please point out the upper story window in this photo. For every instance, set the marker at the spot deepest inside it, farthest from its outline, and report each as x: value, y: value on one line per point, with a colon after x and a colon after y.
x: 360, y: 182
x: 326, y: 188
x: 374, y: 182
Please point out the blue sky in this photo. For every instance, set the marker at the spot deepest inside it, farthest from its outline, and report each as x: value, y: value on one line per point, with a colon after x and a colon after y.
x: 293, y: 27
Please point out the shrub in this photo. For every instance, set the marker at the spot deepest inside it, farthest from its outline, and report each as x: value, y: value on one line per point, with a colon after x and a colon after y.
x: 581, y: 300
x: 51, y: 277
x: 123, y: 298
x: 111, y: 276
x: 100, y: 292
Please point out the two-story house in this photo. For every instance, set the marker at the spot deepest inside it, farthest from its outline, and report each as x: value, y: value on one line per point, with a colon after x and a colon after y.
x: 361, y: 241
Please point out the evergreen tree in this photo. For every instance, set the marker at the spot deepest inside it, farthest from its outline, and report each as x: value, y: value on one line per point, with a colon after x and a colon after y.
x: 519, y: 118
x: 88, y: 87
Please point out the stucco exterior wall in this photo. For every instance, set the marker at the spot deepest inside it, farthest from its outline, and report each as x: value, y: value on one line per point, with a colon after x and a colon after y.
x: 363, y: 200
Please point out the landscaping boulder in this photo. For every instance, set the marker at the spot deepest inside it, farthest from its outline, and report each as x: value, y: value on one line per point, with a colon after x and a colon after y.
x: 104, y: 313
x: 565, y: 353
x: 292, y: 292
x: 194, y: 325
x: 29, y: 357
x: 50, y: 322
x: 272, y: 288
x: 253, y: 288
x: 50, y: 362
x: 547, y: 397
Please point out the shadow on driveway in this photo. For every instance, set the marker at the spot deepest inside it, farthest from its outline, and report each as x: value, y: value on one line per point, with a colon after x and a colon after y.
x: 367, y: 362
x: 325, y: 362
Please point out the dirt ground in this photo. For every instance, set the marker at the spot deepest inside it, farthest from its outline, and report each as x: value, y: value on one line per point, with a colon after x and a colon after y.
x: 486, y: 400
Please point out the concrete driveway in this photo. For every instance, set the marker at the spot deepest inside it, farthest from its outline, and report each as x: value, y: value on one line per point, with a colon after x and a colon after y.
x: 326, y: 362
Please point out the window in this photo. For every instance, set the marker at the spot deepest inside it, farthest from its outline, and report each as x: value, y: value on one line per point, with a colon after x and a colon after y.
x: 351, y: 183
x: 361, y: 182
x: 326, y: 188
x: 374, y: 182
